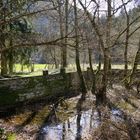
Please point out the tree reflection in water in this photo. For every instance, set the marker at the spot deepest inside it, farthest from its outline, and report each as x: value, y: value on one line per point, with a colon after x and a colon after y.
x: 79, y: 112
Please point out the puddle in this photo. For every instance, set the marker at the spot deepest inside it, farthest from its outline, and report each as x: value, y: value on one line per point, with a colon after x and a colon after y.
x: 77, y: 127
x: 116, y: 115
x: 79, y: 121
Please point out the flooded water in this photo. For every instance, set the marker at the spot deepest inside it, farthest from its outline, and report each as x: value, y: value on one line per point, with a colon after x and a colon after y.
x: 80, y: 126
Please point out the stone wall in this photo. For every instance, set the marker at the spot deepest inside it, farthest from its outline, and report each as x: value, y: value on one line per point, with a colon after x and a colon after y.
x: 17, y: 90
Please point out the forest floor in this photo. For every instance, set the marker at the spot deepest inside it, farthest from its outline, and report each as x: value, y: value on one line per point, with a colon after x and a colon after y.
x: 72, y: 119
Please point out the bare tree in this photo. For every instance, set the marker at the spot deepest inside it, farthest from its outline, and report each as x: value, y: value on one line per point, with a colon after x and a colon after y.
x: 126, y: 43
x: 82, y: 80
x: 105, y: 45
x: 135, y: 65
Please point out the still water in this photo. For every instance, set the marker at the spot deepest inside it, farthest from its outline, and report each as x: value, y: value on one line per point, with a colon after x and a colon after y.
x: 80, y: 126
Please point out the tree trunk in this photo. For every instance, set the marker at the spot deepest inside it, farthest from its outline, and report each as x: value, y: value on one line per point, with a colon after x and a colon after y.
x: 135, y: 64
x: 2, y: 43
x: 99, y: 62
x: 22, y: 65
x: 82, y: 80
x: 105, y: 48
x: 11, y: 64
x: 11, y: 59
x: 53, y: 54
x: 93, y: 88
x: 125, y: 59
x: 107, y: 58
x: 66, y: 33
x: 63, y: 47
x: 105, y: 75
x: 4, y: 69
x: 32, y: 67
x: 99, y: 44
x: 126, y: 46
x: 10, y: 52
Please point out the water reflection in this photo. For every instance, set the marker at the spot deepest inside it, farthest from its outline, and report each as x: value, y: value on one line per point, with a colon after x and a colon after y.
x: 78, y: 120
x: 77, y: 127
x: 64, y: 131
x: 117, y: 115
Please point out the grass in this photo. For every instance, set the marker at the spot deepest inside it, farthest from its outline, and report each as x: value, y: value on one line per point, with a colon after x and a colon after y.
x: 38, y: 68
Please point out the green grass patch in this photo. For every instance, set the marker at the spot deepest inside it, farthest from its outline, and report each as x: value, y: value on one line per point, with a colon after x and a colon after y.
x: 38, y: 68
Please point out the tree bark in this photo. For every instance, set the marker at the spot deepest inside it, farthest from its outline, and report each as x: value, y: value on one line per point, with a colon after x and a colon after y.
x: 63, y: 47
x: 11, y: 59
x: 11, y: 64
x: 93, y: 88
x: 66, y: 33
x: 126, y: 45
x: 135, y: 64
x: 99, y: 46
x: 99, y: 61
x: 82, y: 80
x: 104, y: 46
x: 107, y: 58
x: 4, y: 69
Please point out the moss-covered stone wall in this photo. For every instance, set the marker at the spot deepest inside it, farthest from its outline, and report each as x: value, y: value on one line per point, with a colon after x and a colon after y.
x: 17, y: 90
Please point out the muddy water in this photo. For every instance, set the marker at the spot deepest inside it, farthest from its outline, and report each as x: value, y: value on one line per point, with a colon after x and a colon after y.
x: 80, y: 126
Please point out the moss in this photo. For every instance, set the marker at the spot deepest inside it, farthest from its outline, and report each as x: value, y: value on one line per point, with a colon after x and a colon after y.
x: 54, y: 88
x: 4, y: 90
x: 32, y: 82
x: 11, y: 136
x: 126, y: 106
x: 8, y: 98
